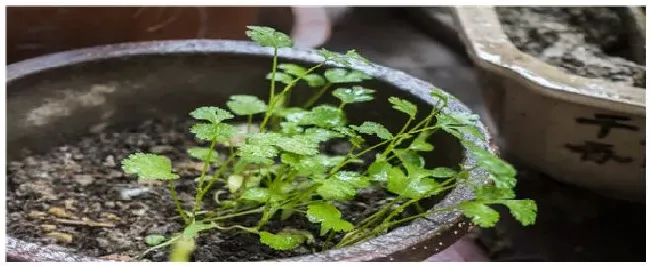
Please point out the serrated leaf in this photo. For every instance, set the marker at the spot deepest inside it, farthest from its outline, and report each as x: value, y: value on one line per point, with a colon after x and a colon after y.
x: 355, y: 55
x: 256, y: 194
x: 491, y: 192
x: 309, y: 238
x: 341, y: 75
x: 284, y: 111
x: 525, y: 211
x: 373, y: 128
x: 353, y: 178
x: 378, y: 170
x: 281, y: 241
x: 404, y: 106
x: 154, y: 239
x: 246, y: 105
x: 409, y: 186
x: 212, y: 114
x: 292, y: 69
x: 438, y: 94
x: 501, y: 172
x: 291, y: 128
x: 201, y: 154
x: 459, y: 123
x: 314, y: 80
x: 265, y: 138
x: 149, y: 166
x: 261, y: 154
x: 326, y: 116
x: 298, y: 144
x: 443, y: 172
x: 329, y: 217
x: 234, y: 183
x: 313, y: 166
x: 481, y: 214
x: 335, y: 189
x: 354, y: 95
x: 280, y: 77
x: 221, y: 132
x: 410, y: 158
x: 269, y: 37
x: 420, y: 143
x: 321, y: 134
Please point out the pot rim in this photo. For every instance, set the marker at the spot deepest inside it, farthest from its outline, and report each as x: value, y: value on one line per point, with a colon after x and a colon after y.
x: 490, y: 48
x: 411, y: 236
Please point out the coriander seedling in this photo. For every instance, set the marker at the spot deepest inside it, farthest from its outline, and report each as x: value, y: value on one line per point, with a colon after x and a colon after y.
x: 280, y: 168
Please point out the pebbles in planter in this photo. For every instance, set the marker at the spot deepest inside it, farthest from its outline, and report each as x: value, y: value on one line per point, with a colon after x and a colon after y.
x: 97, y: 211
x: 587, y: 41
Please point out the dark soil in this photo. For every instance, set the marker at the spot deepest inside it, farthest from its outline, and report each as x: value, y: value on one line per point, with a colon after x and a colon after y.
x: 76, y: 196
x: 586, y: 41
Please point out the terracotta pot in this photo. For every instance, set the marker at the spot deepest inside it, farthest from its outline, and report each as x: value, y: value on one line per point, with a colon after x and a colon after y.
x: 35, y: 31
x: 554, y: 121
x: 55, y: 99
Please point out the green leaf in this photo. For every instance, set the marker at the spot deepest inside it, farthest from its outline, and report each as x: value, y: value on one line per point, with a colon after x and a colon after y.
x: 354, y: 55
x: 458, y: 124
x: 378, y: 170
x: 309, y: 238
x: 282, y: 240
x: 410, y: 158
x: 149, y: 166
x: 525, y: 211
x: 373, y: 128
x: 354, y: 95
x: 298, y: 144
x: 481, y: 214
x: 221, y: 132
x: 313, y: 166
x: 280, y: 77
x: 293, y: 69
x: 342, y: 59
x: 284, y: 111
x: 341, y: 75
x: 265, y: 138
x: 261, y: 154
x: 443, y: 172
x: 413, y: 187
x: 435, y: 93
x: 420, y: 143
x: 201, y: 154
x: 154, y: 239
x: 314, y: 80
x: 335, y: 189
x: 501, y: 172
x: 404, y: 106
x: 246, y: 105
x: 491, y: 193
x: 234, y: 183
x: 290, y: 128
x: 321, y: 134
x: 269, y: 37
x: 353, y: 178
x: 195, y: 228
x: 326, y: 116
x: 329, y: 217
x: 256, y: 194
x: 212, y: 114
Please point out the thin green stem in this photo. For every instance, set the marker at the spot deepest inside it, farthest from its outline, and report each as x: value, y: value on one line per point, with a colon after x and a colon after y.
x: 214, y: 179
x: 340, y: 165
x: 234, y: 215
x: 317, y: 96
x: 248, y: 126
x: 179, y: 208
x: 275, y: 65
x: 204, y: 170
x: 397, y: 137
x: 273, y: 101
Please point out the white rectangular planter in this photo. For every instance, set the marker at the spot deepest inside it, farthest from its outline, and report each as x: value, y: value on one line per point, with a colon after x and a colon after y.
x: 581, y: 131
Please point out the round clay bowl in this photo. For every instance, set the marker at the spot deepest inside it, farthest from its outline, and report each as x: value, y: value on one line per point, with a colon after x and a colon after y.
x: 55, y: 99
x: 554, y: 121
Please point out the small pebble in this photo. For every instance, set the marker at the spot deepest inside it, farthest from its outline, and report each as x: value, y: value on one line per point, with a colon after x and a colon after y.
x: 48, y: 227
x: 36, y: 214
x: 59, y: 212
x: 109, y: 204
x: 84, y: 180
x: 161, y: 149
x: 128, y: 193
x: 61, y: 237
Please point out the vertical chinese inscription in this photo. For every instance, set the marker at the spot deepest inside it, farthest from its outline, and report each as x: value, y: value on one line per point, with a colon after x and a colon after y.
x: 600, y: 151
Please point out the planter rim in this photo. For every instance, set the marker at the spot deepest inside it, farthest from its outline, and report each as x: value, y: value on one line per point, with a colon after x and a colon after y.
x: 380, y: 248
x: 490, y: 48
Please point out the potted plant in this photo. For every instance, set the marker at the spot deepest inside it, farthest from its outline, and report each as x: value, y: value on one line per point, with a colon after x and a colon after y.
x: 380, y: 174
x: 565, y: 87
